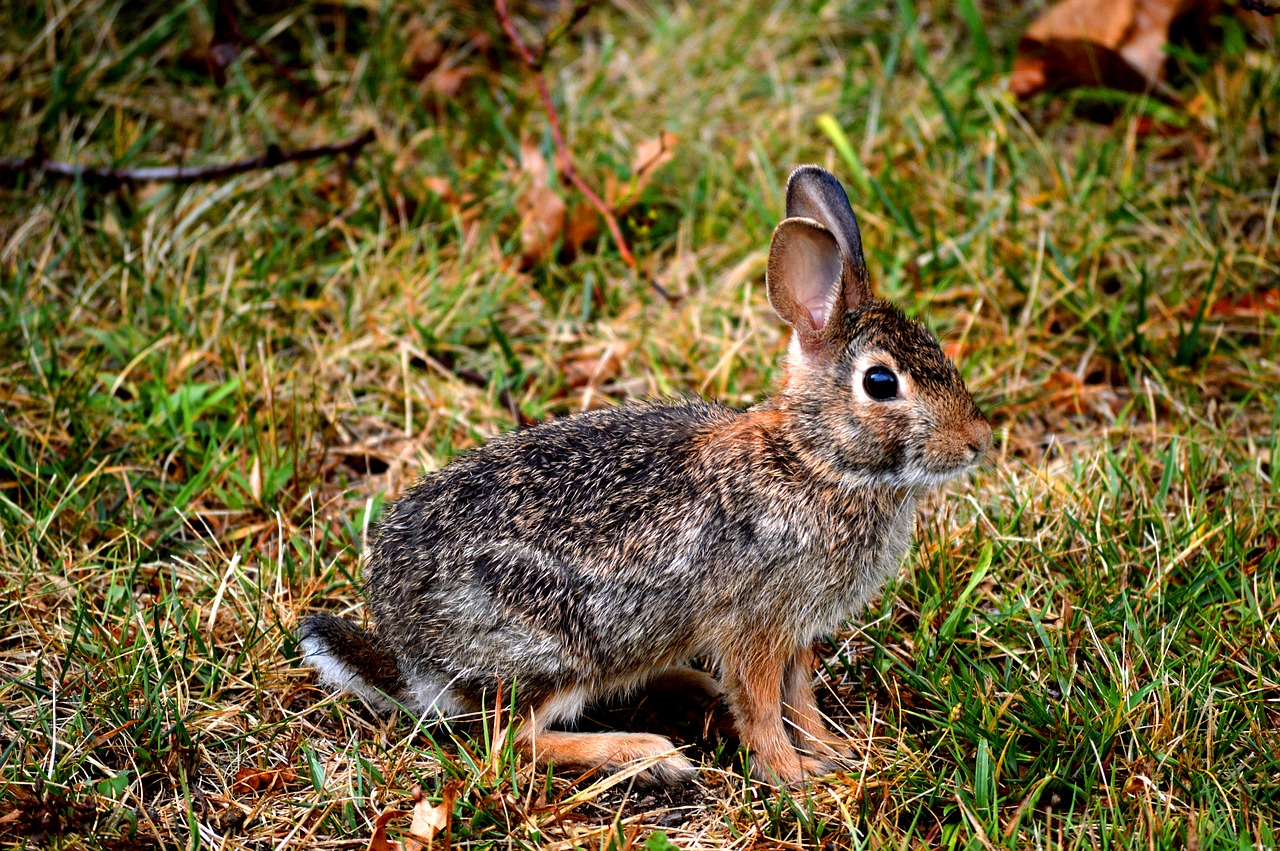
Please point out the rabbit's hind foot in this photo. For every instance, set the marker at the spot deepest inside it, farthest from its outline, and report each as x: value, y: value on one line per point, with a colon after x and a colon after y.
x: 658, y: 761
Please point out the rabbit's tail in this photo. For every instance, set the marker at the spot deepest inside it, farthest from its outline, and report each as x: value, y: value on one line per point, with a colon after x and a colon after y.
x: 352, y: 659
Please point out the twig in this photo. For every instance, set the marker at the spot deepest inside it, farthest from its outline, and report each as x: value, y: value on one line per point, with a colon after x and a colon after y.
x: 110, y: 177
x: 1260, y: 7
x: 534, y: 63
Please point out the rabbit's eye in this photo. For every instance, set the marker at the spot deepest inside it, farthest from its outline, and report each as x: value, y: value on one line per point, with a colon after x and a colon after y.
x: 880, y: 383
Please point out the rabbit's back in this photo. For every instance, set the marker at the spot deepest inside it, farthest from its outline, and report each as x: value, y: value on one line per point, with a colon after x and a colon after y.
x: 592, y: 489
x: 536, y: 557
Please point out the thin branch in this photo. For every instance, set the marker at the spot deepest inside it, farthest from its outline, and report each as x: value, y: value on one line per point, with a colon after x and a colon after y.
x: 533, y: 63
x: 110, y: 177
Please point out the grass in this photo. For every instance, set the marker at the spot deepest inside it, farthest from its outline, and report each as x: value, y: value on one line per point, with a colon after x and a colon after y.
x: 208, y: 392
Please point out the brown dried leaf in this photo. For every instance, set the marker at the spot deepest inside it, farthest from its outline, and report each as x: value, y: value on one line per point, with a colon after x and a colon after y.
x: 650, y: 156
x: 424, y: 51
x: 542, y: 207
x: 430, y: 819
x: 461, y: 203
x: 542, y: 225
x: 583, y: 225
x: 1144, y: 47
x: 1115, y: 43
x: 1250, y: 305
x: 448, y: 81
x: 1104, y: 22
x: 533, y: 164
x: 442, y: 187
x: 592, y: 365
x: 1063, y: 392
x: 251, y: 779
x: 378, y: 841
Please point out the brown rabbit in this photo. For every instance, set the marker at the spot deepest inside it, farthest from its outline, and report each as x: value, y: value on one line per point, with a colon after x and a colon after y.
x: 585, y: 557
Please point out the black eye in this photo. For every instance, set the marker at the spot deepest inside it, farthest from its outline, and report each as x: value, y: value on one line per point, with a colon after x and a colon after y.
x: 880, y: 383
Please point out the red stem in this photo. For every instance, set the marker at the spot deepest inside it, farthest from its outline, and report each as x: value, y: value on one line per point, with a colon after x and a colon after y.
x: 562, y: 149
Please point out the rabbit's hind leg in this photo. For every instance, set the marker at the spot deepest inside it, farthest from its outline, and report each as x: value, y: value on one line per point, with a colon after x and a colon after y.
x: 800, y: 708
x: 704, y: 689
x: 659, y: 761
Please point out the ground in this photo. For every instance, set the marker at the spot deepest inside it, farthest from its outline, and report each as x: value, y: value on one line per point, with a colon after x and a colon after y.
x: 208, y: 393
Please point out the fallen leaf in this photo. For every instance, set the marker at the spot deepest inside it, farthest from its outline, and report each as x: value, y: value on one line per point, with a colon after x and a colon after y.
x: 251, y: 779
x: 1137, y: 784
x: 542, y: 222
x: 442, y: 187
x: 1144, y: 47
x: 447, y: 81
x: 1147, y: 126
x: 542, y: 225
x: 592, y: 365
x: 652, y: 154
x: 1115, y: 43
x: 1251, y: 305
x: 378, y: 841
x: 430, y: 819
x: 1064, y: 391
x: 583, y: 225
x: 424, y: 50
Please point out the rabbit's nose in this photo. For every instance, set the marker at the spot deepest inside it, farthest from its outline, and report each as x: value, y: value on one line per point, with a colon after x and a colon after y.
x: 979, y: 438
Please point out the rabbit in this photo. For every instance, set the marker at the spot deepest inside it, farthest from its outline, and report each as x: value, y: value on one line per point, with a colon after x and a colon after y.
x: 580, y: 559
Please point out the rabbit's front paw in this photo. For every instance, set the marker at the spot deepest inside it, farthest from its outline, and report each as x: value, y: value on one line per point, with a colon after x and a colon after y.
x: 666, y: 766
x: 792, y: 774
x: 817, y: 766
x: 830, y: 748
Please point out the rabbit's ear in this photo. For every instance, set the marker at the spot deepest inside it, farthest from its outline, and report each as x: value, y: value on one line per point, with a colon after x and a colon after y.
x: 803, y: 279
x: 812, y: 193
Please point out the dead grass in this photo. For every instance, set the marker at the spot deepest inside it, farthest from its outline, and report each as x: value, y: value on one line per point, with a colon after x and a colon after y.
x: 209, y: 391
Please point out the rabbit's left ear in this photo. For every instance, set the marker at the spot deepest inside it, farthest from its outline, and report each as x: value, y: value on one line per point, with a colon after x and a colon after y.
x: 812, y: 193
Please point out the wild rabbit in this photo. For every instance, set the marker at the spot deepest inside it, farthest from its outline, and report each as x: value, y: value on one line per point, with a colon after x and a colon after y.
x: 586, y: 557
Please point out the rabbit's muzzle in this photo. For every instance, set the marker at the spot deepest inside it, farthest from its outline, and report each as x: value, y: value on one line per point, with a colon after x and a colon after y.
x: 955, y: 449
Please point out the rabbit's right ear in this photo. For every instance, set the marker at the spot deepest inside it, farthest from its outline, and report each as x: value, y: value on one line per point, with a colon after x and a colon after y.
x: 813, y: 193
x: 816, y: 271
x: 803, y: 279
